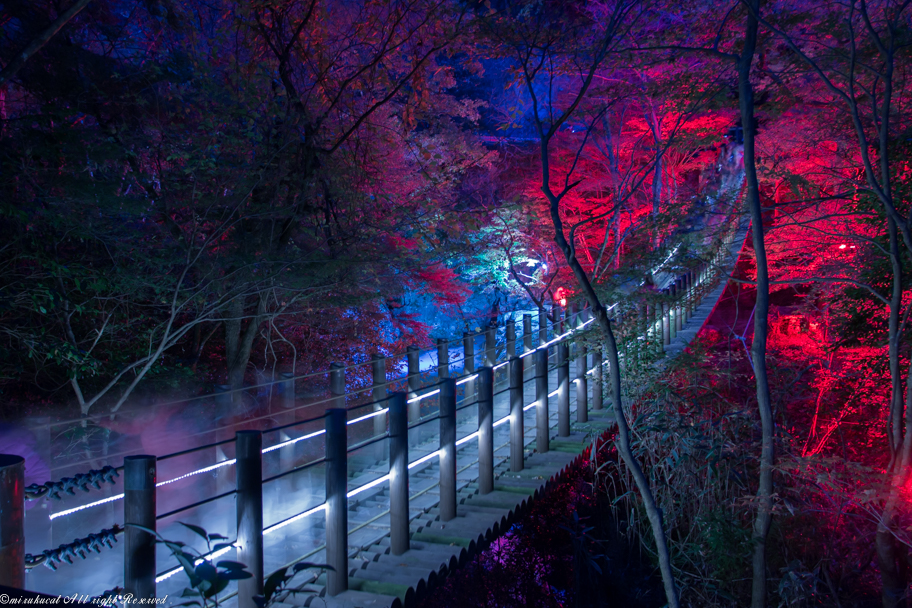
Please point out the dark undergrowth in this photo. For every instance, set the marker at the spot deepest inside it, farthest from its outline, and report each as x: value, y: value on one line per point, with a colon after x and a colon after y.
x: 565, y: 551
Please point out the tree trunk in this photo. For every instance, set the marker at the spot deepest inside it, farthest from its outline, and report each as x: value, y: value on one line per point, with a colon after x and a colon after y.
x: 761, y: 314
x: 239, y: 338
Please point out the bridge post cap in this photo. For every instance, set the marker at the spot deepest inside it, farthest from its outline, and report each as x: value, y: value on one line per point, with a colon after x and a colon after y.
x: 9, y: 460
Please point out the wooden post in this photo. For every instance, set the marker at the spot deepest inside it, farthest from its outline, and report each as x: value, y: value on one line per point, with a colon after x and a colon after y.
x: 378, y: 393
x: 336, y: 501
x: 414, y: 379
x: 542, y: 326
x: 679, y: 304
x: 666, y: 321
x: 468, y: 364
x: 491, y: 345
x: 139, y: 509
x: 12, y: 522
x: 399, y: 482
x: 443, y: 358
x: 249, y: 454
x: 337, y: 384
x: 673, y: 311
x: 597, y: 402
x: 486, y: 430
x: 542, y: 423
x: 511, y: 338
x: 517, y: 418
x: 582, y: 384
x: 527, y: 332
x: 447, y: 449
x: 563, y: 389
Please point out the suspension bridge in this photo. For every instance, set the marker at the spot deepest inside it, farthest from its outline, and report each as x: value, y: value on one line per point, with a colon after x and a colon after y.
x: 392, y: 483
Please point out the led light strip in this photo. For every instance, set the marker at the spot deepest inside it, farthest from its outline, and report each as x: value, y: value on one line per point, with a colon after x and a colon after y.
x: 424, y: 396
x: 464, y: 380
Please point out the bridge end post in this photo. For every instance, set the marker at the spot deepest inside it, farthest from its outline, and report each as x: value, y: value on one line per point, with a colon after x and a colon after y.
x: 399, y: 481
x: 517, y: 416
x: 486, y: 430
x: 542, y: 326
x: 12, y: 525
x: 491, y: 345
x: 249, y: 454
x: 542, y: 421
x: 447, y: 449
x: 139, y: 509
x: 336, y: 501
x: 468, y: 363
x: 511, y: 338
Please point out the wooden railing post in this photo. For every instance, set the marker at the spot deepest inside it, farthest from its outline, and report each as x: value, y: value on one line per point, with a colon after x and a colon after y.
x: 517, y: 418
x: 378, y: 393
x: 542, y: 422
x: 288, y: 390
x: 414, y: 381
x: 527, y: 332
x: 673, y: 311
x: 582, y: 384
x: 486, y: 430
x: 249, y: 454
x: 468, y: 364
x: 666, y: 320
x: 337, y: 384
x: 443, y: 358
x: 399, y: 482
x: 139, y: 509
x: 679, y: 304
x: 511, y: 338
x: 12, y: 522
x: 563, y: 389
x: 597, y: 402
x: 447, y: 449
x: 491, y: 345
x: 336, y: 501
x: 542, y: 326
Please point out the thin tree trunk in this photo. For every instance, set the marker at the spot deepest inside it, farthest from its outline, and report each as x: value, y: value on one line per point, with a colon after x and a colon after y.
x: 239, y: 338
x: 761, y: 314
x: 40, y: 40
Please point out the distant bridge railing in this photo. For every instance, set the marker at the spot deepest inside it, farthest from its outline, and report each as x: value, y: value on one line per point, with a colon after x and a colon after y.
x: 359, y: 448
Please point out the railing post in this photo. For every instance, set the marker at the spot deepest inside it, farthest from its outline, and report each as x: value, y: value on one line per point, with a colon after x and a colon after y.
x: 414, y: 379
x: 399, y: 482
x: 337, y: 384
x: 679, y: 304
x: 486, y: 430
x: 336, y: 501
x: 517, y: 417
x: 491, y: 345
x: 139, y: 509
x: 447, y: 449
x: 690, y: 294
x: 666, y: 320
x: 12, y: 522
x: 511, y: 338
x: 542, y: 326
x: 443, y: 358
x: 542, y: 422
x: 563, y: 389
x: 673, y: 311
x: 527, y: 332
x: 468, y: 364
x: 288, y: 390
x: 378, y: 393
x: 597, y: 402
x: 582, y: 384
x: 249, y: 454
